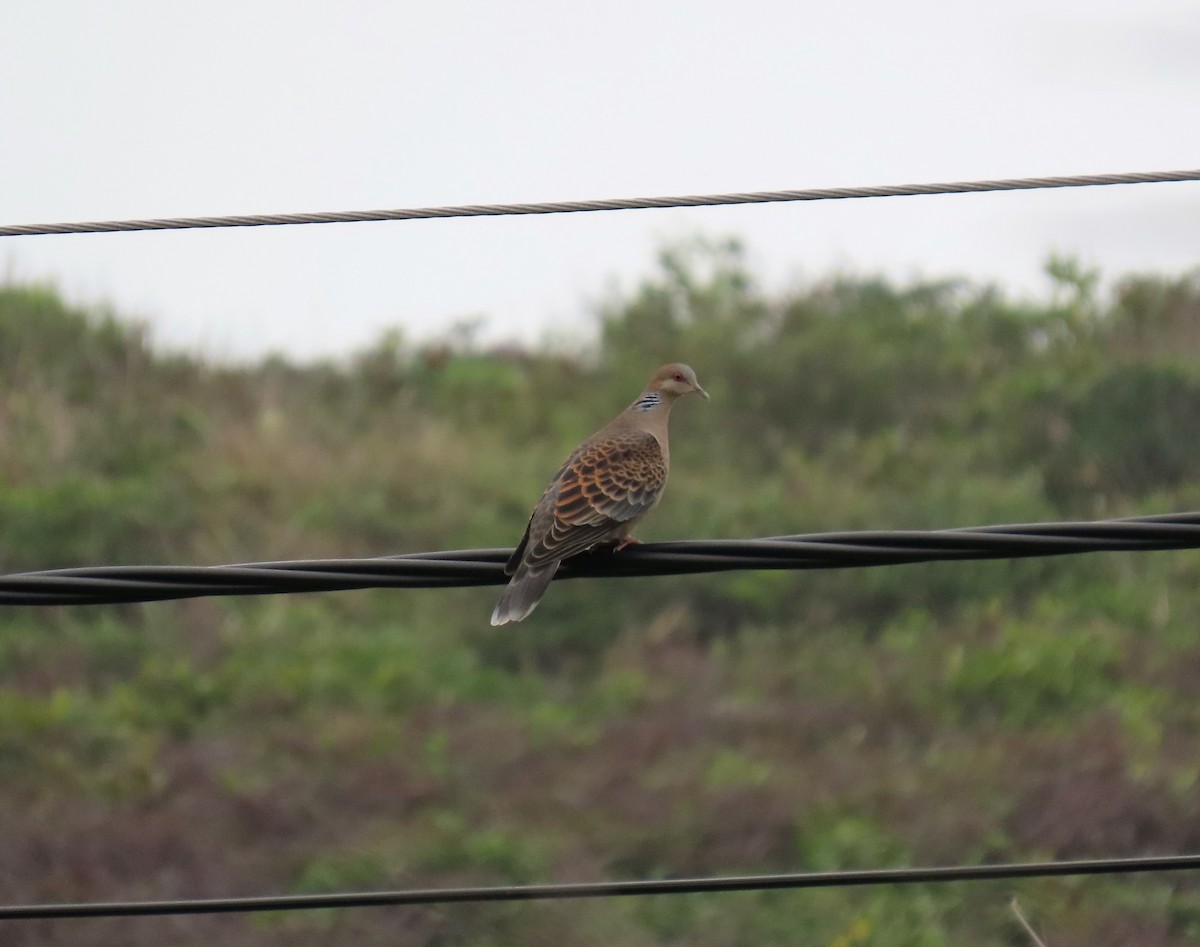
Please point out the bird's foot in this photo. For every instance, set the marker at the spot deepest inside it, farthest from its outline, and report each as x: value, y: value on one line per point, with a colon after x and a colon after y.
x: 625, y: 543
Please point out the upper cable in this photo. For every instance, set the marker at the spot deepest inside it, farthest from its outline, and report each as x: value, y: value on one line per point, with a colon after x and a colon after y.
x: 628, y: 203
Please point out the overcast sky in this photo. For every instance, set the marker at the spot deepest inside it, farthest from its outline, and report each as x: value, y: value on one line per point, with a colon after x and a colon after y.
x: 145, y: 109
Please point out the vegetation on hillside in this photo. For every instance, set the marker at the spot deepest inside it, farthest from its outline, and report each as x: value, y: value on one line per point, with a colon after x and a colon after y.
x: 739, y: 723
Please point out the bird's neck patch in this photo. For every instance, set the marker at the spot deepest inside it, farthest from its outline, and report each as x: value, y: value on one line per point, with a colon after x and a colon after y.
x: 648, y: 401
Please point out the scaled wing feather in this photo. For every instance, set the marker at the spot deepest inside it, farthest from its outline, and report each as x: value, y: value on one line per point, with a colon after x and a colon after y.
x: 604, y: 486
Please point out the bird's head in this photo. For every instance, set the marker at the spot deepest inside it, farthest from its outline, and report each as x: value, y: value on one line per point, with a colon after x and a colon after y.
x: 675, y: 380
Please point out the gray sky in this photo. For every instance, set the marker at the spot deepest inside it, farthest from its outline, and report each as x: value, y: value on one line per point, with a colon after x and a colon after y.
x: 145, y: 109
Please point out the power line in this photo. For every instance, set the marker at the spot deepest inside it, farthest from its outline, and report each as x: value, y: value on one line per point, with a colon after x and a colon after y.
x: 606, y: 889
x: 92, y: 585
x: 630, y: 203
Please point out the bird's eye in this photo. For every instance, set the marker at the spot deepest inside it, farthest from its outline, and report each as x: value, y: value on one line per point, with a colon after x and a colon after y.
x: 678, y: 376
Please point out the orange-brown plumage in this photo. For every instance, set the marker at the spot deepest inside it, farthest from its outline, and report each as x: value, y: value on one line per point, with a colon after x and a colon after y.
x: 607, y: 485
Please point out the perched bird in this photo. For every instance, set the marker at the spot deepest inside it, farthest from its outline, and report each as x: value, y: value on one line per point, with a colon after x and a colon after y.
x: 611, y: 481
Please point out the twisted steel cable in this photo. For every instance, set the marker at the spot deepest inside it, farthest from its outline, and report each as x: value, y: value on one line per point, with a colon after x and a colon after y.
x: 631, y: 203
x: 93, y: 585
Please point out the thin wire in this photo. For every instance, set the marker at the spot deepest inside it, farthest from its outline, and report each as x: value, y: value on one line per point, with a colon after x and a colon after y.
x: 91, y: 585
x: 1015, y: 907
x: 632, y: 203
x: 606, y: 889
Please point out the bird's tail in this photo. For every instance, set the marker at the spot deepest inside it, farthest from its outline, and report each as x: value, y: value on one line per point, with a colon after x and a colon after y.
x: 523, y: 593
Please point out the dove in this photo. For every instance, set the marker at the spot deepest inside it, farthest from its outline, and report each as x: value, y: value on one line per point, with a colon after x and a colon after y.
x: 607, y: 485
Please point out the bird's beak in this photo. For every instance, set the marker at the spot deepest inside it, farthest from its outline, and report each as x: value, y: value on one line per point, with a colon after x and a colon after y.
x: 701, y: 392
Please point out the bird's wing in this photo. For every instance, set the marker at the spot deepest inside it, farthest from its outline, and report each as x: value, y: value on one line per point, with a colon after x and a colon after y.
x: 605, y: 486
